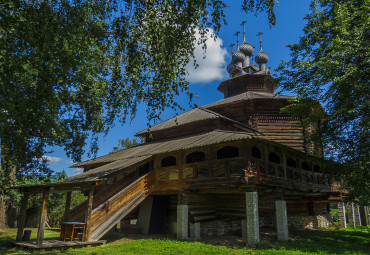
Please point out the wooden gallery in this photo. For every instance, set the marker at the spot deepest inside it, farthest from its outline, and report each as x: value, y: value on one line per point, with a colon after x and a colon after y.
x: 229, y: 167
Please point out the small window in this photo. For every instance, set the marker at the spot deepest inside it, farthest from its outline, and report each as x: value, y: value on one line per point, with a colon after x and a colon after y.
x: 227, y: 152
x: 256, y: 153
x: 305, y: 166
x: 168, y: 161
x: 274, y: 158
x: 317, y: 169
x: 291, y: 163
x: 196, y: 156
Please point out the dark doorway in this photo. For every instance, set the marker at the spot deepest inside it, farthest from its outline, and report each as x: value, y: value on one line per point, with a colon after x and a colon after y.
x: 158, y: 215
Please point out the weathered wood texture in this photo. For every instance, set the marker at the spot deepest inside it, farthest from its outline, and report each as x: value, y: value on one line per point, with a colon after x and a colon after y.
x: 41, y: 228
x: 106, y: 215
x: 205, y: 206
x: 88, y: 212
x: 67, y: 209
x: 22, y: 216
x: 102, y: 195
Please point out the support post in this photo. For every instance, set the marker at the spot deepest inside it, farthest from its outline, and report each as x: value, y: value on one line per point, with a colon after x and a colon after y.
x: 253, y: 230
x: 342, y: 215
x: 281, y: 221
x: 22, y: 216
x: 351, y: 215
x: 90, y: 198
x: 195, y: 230
x: 284, y: 165
x: 68, y: 206
x: 182, y: 222
x: 357, y: 215
x: 41, y: 229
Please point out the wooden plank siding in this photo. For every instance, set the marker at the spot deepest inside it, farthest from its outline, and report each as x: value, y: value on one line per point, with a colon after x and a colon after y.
x: 213, y: 188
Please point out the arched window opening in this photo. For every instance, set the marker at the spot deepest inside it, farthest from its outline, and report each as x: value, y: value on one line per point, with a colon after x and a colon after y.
x: 228, y: 152
x: 317, y: 169
x: 305, y: 166
x: 256, y: 153
x: 196, y: 156
x: 291, y: 163
x: 168, y: 161
x: 274, y: 158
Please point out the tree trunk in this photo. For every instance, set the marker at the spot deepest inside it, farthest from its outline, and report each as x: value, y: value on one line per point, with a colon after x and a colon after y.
x: 3, y: 209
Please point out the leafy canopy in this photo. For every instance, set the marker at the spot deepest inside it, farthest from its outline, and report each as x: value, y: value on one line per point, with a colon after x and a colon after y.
x: 127, y: 143
x: 331, y: 64
x: 69, y: 68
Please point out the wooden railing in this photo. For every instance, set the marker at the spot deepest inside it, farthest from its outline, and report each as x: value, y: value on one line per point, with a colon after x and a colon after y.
x: 294, y: 175
x: 78, y: 213
x: 109, y: 213
x: 221, y: 168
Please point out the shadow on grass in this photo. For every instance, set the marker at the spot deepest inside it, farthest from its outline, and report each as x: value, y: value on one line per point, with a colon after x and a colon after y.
x: 327, y: 241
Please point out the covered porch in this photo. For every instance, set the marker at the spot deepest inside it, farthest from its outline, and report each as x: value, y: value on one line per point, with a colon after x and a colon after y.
x: 72, y: 234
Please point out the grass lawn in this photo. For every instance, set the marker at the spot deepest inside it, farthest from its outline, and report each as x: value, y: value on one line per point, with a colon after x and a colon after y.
x: 329, y: 241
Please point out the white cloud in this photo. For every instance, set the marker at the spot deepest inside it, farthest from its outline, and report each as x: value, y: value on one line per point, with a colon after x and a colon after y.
x: 52, y: 160
x: 210, y: 68
x: 77, y: 171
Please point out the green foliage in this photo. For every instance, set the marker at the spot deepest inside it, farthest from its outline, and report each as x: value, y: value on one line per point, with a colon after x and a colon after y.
x: 330, y: 242
x: 68, y: 69
x: 56, y: 201
x: 330, y: 64
x: 56, y: 206
x: 127, y: 143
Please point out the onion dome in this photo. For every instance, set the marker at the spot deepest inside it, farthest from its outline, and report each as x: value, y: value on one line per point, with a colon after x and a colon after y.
x: 231, y: 67
x: 262, y: 57
x: 238, y: 56
x: 253, y: 63
x: 247, y: 49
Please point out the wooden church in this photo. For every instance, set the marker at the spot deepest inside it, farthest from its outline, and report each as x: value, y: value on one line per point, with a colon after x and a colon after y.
x: 229, y: 167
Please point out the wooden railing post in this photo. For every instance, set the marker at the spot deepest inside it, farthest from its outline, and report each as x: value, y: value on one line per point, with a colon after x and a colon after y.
x: 41, y: 229
x: 22, y: 216
x: 210, y: 161
x: 284, y: 166
x: 266, y: 156
x: 68, y: 206
x: 88, y: 214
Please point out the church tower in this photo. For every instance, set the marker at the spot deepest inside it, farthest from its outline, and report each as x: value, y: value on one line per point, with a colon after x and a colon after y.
x: 249, y: 98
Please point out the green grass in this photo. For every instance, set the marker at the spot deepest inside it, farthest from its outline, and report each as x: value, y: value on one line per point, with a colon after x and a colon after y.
x: 346, y: 241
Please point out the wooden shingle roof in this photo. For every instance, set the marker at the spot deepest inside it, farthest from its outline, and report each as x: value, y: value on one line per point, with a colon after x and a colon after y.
x: 196, y: 114
x: 98, y: 173
x: 174, y: 144
x: 250, y: 95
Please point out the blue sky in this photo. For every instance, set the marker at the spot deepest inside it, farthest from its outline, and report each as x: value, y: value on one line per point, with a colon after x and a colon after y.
x: 212, y: 70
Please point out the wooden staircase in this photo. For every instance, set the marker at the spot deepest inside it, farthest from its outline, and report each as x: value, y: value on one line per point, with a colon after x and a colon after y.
x: 113, y: 203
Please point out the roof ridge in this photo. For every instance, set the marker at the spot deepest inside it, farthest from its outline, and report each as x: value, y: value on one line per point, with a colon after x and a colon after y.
x: 223, y: 116
x: 174, y: 117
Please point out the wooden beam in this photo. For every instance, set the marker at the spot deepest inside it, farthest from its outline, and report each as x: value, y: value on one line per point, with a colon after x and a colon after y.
x: 68, y: 206
x: 88, y: 214
x: 41, y: 229
x: 22, y: 216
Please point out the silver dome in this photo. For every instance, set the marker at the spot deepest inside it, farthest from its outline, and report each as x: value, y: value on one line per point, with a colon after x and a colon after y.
x: 231, y: 67
x: 247, y: 49
x: 238, y: 56
x: 262, y: 57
